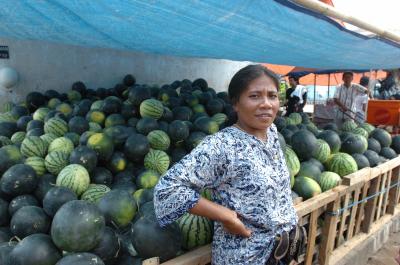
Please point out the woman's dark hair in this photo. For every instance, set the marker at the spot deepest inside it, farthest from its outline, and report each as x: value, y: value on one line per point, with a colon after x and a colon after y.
x: 241, y: 80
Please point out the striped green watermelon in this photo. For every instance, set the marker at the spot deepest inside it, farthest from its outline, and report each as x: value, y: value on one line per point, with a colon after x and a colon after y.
x: 292, y: 162
x: 40, y: 113
x: 62, y: 144
x: 56, y: 126
x: 7, y: 106
x: 48, y: 138
x: 157, y: 160
x: 322, y: 152
x: 53, y: 103
x: 349, y: 126
x: 96, y: 116
x: 95, y: 127
x: 33, y: 146
x: 151, y: 108
x: 56, y: 161
x: 198, y: 108
x: 342, y: 164
x: 296, y: 118
x: 74, y: 177
x: 37, y: 163
x: 147, y: 179
x: 74, y: 95
x: 7, y: 117
x: 306, y: 187
x: 329, y: 180
x: 360, y: 131
x: 18, y: 137
x: 102, y: 145
x: 196, y: 230
x: 65, y: 109
x: 368, y: 127
x: 95, y: 192
x: 4, y: 140
x: 220, y: 118
x: 97, y: 105
x: 159, y: 140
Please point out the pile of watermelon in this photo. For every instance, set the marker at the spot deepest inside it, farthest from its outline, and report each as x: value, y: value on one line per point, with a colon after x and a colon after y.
x: 317, y: 159
x: 78, y: 171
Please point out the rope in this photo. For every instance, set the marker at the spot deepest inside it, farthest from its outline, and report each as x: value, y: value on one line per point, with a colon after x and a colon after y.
x: 384, y: 190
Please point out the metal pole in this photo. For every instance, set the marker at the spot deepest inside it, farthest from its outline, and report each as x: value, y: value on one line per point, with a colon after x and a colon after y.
x: 329, y: 83
x: 315, y: 87
x: 333, y: 12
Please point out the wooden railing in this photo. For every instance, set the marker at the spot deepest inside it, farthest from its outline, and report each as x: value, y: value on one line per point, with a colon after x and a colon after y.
x: 335, y: 216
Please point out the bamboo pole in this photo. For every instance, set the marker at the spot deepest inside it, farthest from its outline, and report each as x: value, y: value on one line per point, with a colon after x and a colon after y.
x: 333, y: 12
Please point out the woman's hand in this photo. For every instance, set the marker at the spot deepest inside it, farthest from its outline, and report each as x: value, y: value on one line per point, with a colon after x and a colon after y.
x: 235, y: 226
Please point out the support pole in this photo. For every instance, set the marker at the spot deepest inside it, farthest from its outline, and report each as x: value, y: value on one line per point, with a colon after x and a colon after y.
x: 329, y: 84
x: 315, y: 88
x: 330, y: 11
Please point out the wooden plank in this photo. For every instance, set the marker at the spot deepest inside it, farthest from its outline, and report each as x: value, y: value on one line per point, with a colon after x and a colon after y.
x: 382, y: 186
x: 328, y: 232
x: 370, y: 206
x: 352, y: 221
x: 394, y: 193
x: 386, y: 194
x: 356, y: 177
x: 361, y: 206
x: 200, y: 256
x: 343, y: 218
x: 312, y: 235
x: 314, y: 203
x: 375, y: 172
x: 151, y: 261
x: 297, y: 200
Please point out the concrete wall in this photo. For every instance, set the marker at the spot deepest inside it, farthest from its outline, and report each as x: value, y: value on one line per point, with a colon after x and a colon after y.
x: 42, y: 66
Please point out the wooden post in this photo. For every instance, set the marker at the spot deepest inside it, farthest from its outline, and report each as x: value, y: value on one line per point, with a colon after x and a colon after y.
x: 394, y: 193
x: 151, y: 261
x: 382, y: 187
x: 370, y: 207
x: 328, y: 233
x: 350, y: 228
x: 343, y: 218
x: 312, y: 235
x: 360, y: 210
x: 386, y: 194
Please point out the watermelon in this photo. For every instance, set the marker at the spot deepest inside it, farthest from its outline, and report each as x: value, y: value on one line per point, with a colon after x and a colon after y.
x: 194, y: 139
x: 220, y: 118
x: 37, y: 163
x: 360, y: 131
x: 329, y: 180
x: 18, y: 180
x: 74, y: 137
x: 367, y: 127
x: 65, y: 109
x: 111, y: 105
x: 56, y: 126
x: 151, y: 108
x: 374, y: 145
x: 206, y: 125
x: 322, y: 152
x: 74, y: 177
x: 36, y: 249
x: 332, y: 138
x: 74, y: 96
x: 34, y: 100
x: 158, y: 140
x: 40, y: 113
x: 354, y: 144
x: 78, y: 125
x: 157, y: 160
x: 18, y: 137
x: 138, y: 94
x: 147, y: 179
x: 46, y: 182
x: 292, y: 162
x: 102, y: 145
x: 182, y: 113
x: 53, y: 103
x: 82, y: 258
x: 117, y: 162
x: 129, y: 80
x: 382, y: 136
x: 95, y: 192
x: 308, y: 169
x: 4, y: 212
x: 48, y: 138
x: 373, y: 158
x: 97, y: 105
x: 101, y: 175
x: 109, y: 246
x: 306, y: 187
x: 361, y: 160
x: 178, y: 131
x: 22, y: 122
x: 118, y: 207
x: 388, y: 153
x: 295, y: 118
x: 349, y: 126
x: 214, y: 106
x: 94, y: 127
x: 29, y: 220
x: 9, y: 156
x: 114, y: 120
x: 55, y: 198
x: 19, y: 202
x: 56, y: 161
x: 396, y: 144
x: 304, y: 144
x: 96, y: 116
x: 33, y: 146
x: 342, y: 164
x: 5, y: 249
x: 317, y: 163
x: 77, y: 226
x: 196, y: 230
x: 136, y: 147
x: 151, y: 240
x: 61, y: 144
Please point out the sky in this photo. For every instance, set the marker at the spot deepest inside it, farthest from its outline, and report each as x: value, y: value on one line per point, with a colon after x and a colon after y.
x: 383, y: 13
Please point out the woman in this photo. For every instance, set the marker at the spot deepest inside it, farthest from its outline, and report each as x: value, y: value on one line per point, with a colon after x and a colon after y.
x: 244, y: 167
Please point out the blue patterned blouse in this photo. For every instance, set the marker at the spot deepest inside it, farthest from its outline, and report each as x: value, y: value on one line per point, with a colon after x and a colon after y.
x: 244, y: 174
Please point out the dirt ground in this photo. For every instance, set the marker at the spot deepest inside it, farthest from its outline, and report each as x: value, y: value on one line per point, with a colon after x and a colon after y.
x: 386, y: 255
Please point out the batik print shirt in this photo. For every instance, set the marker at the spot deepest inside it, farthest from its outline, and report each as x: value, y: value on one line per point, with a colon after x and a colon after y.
x: 245, y: 175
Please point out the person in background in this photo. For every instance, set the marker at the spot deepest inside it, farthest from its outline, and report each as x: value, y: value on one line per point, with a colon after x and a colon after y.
x: 296, y: 95
x: 344, y: 98
x: 244, y: 168
x: 361, y: 101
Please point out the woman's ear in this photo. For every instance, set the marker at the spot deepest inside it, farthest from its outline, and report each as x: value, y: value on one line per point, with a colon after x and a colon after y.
x: 234, y: 105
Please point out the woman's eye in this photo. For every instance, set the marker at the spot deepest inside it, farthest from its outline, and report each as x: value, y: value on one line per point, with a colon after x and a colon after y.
x: 254, y: 96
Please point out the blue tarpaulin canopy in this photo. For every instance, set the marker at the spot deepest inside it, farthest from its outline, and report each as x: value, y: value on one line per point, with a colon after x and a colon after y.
x: 273, y: 31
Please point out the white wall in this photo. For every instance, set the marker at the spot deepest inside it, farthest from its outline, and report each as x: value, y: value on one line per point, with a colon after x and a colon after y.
x: 42, y: 66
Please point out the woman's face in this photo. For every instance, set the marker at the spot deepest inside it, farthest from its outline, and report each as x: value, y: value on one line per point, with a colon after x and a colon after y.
x: 258, y: 104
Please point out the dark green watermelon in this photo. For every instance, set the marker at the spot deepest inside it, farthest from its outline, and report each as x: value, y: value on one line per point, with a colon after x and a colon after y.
x: 83, y: 258
x: 21, y: 201
x: 361, y: 160
x: 137, y: 94
x: 182, y: 113
x: 78, y: 125
x: 146, y: 125
x: 136, y: 147
x: 57, y: 197
x: 101, y: 175
x: 331, y: 126
x: 129, y: 80
x: 4, y: 213
x: 111, y: 105
x: 46, y: 182
x: 8, y: 128
x: 5, y: 251
x: 317, y: 163
x: 388, y: 153
x: 84, y: 156
x: 36, y: 249
x: 18, y: 180
x: 178, y: 131
x: 304, y: 143
x: 332, y: 138
x: 382, y: 136
x: 108, y: 247
x: 29, y: 220
x: 374, y: 145
x: 353, y: 144
x: 396, y: 144
x: 309, y: 169
x: 372, y: 157
x: 22, y: 122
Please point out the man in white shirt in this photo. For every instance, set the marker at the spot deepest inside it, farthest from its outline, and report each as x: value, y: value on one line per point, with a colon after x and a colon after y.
x: 344, y: 98
x: 299, y: 93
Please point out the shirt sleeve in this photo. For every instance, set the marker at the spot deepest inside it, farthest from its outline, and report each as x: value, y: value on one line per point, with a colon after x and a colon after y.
x: 179, y: 189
